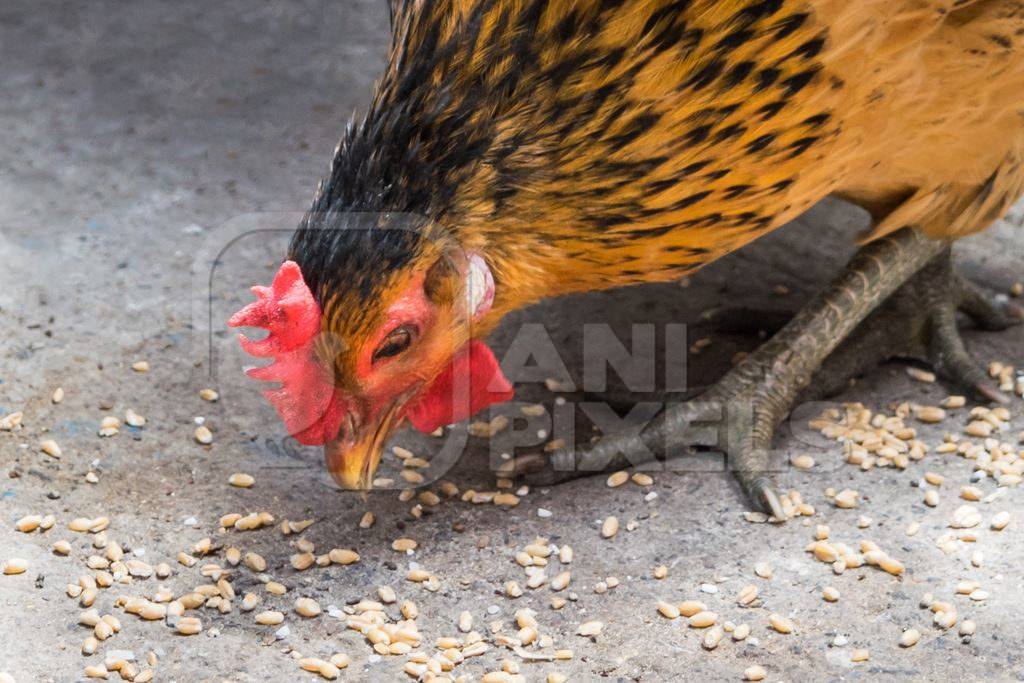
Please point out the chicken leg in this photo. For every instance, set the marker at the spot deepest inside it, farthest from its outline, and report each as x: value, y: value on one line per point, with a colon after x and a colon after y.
x: 919, y: 322
x: 753, y: 398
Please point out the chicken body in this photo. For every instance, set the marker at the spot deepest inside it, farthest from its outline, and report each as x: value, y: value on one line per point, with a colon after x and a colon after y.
x: 588, y: 144
x: 544, y: 147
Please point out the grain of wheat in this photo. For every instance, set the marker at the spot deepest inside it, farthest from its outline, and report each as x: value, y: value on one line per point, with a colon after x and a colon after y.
x: 241, y: 480
x: 781, y: 624
x: 189, y: 626
x: 846, y: 499
x: 51, y: 448
x: 1000, y: 521
x: 403, y: 544
x: 703, y: 619
x: 610, y: 527
x: 910, y: 637
x: 15, y: 565
x: 307, y: 607
x: 754, y: 673
x: 617, y: 479
x: 712, y: 637
x: 269, y: 618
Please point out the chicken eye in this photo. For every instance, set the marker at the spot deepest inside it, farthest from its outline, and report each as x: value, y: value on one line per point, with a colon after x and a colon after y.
x: 394, y: 344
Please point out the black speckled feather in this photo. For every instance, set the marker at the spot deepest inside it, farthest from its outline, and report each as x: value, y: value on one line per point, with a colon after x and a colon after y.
x: 584, y: 144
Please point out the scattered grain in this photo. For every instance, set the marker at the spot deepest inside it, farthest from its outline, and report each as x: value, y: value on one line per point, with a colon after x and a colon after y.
x: 307, y: 607
x: 618, y: 479
x: 241, y: 480
x: 929, y: 414
x: 319, y: 666
x: 668, y: 610
x: 802, y: 462
x: 703, y: 619
x: 712, y: 637
x: 610, y: 527
x: 189, y: 626
x: 561, y: 581
x: 780, y: 623
x: 910, y: 637
x: 972, y: 493
x: 343, y: 556
x: 269, y: 618
x: 1000, y: 520
x: 921, y: 375
x: 403, y: 545
x: 642, y: 479
x: 133, y: 419
x: 747, y: 595
x: 15, y: 565
x: 846, y: 499
x: 754, y: 673
x: 51, y: 448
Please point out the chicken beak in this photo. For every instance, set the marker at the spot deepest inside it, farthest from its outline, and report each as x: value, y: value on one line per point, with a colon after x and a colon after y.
x: 352, y: 457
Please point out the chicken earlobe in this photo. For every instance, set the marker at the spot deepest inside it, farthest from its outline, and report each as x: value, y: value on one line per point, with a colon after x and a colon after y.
x: 479, y: 286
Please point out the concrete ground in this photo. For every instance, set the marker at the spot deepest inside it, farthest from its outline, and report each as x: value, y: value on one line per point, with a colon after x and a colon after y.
x: 139, y: 140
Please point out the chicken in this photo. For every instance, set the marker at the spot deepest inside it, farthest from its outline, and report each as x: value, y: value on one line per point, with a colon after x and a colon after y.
x: 517, y: 150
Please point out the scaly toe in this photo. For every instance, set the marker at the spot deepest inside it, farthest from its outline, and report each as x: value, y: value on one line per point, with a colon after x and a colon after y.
x: 990, y: 392
x: 1014, y: 311
x: 762, y: 493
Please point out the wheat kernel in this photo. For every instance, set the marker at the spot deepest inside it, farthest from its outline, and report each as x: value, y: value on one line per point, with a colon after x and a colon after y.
x: 754, y: 673
x: 51, y: 448
x: 780, y: 623
x: 617, y: 479
x: 269, y: 618
x: 241, y: 480
x: 910, y: 637
x: 610, y: 527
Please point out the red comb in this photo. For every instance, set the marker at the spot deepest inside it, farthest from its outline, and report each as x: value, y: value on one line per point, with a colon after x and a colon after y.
x: 286, y: 309
x: 291, y: 316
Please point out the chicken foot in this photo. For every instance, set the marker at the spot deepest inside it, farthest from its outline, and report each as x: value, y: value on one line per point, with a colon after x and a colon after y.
x: 756, y: 395
x: 919, y: 322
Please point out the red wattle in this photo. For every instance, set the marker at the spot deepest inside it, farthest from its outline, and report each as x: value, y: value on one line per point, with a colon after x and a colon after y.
x: 307, y: 401
x: 471, y: 382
